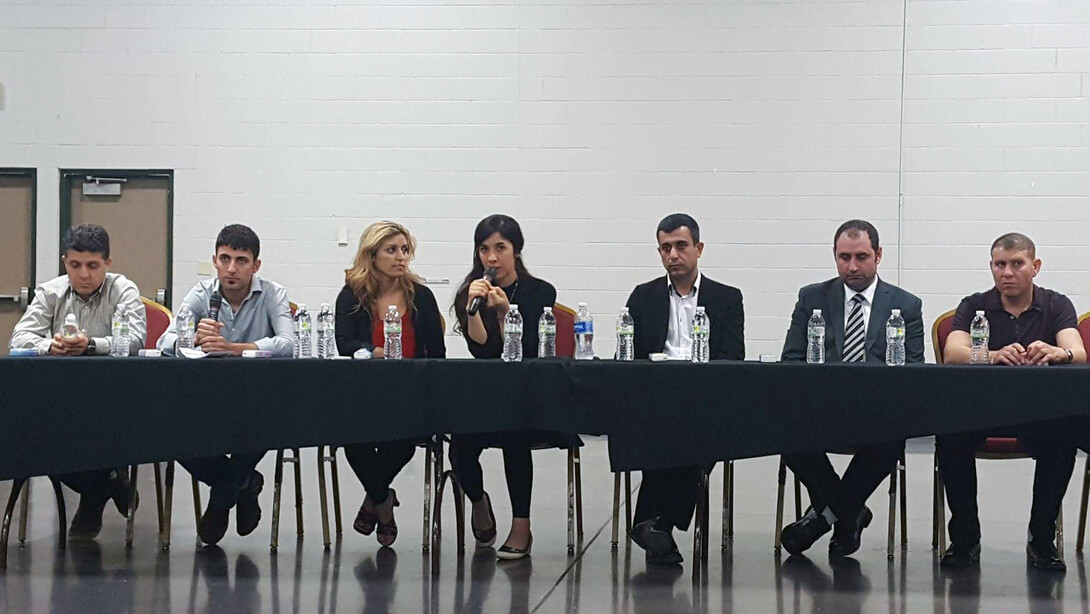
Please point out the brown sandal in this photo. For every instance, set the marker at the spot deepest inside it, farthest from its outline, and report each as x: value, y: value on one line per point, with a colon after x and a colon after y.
x: 387, y: 531
x: 365, y: 521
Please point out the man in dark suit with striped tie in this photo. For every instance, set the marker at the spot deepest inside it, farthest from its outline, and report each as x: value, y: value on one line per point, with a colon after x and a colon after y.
x: 855, y: 305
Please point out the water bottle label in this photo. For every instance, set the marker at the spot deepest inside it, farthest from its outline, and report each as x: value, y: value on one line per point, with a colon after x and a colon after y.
x: 584, y: 327
x: 546, y: 329
x: 392, y: 329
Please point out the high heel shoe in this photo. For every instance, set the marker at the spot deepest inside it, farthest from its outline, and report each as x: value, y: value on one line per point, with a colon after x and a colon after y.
x: 485, y: 537
x: 386, y: 532
x: 507, y: 553
x: 365, y: 521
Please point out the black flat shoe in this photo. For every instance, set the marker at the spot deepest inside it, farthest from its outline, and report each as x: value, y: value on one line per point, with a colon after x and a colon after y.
x: 798, y: 536
x: 248, y: 510
x: 213, y: 525
x: 961, y: 556
x: 87, y: 521
x: 846, y: 539
x: 485, y: 537
x: 658, y: 543
x: 1043, y: 555
x: 507, y: 553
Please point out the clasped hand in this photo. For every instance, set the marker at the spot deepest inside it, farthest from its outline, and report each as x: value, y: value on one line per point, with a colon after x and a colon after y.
x: 1037, y: 353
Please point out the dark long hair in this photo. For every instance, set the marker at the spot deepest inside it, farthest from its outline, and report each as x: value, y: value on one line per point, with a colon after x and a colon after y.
x: 507, y: 228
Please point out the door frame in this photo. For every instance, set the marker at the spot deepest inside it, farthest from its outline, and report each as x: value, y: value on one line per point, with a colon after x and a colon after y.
x: 68, y: 174
x: 32, y: 174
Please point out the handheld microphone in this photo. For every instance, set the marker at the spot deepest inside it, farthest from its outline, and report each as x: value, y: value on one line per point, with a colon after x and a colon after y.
x: 214, y: 303
x: 490, y: 275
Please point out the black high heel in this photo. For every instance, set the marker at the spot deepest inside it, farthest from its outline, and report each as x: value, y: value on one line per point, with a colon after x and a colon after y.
x: 485, y: 537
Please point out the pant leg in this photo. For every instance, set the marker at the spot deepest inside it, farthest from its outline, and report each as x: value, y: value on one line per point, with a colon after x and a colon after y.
x: 465, y: 461
x: 1053, y: 445
x: 376, y: 466
x: 956, y: 455
x: 518, y: 467
x: 670, y: 494
x: 870, y: 466
x: 94, y: 485
x: 822, y: 483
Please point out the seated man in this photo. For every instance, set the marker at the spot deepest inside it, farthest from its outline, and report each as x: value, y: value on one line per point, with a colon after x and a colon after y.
x: 662, y: 310
x: 856, y: 305
x: 92, y: 294
x: 255, y: 315
x: 1029, y: 325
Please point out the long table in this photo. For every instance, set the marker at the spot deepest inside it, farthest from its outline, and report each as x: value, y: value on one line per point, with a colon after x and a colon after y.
x: 67, y: 414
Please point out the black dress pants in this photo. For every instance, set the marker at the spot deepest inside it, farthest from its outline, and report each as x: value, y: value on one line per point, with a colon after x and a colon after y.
x: 846, y: 495
x: 1052, y: 444
x: 93, y: 486
x: 377, y: 464
x: 518, y: 466
x: 225, y: 475
x: 669, y: 494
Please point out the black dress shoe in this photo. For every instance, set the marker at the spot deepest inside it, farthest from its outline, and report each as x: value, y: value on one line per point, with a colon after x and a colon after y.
x: 798, y: 536
x: 1042, y: 554
x: 120, y: 491
x: 87, y: 521
x: 848, y: 535
x: 485, y: 537
x: 213, y: 525
x: 961, y: 556
x: 248, y: 510
x: 657, y: 542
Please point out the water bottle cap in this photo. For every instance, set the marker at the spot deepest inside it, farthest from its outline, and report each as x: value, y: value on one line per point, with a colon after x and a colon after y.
x: 817, y: 312
x: 895, y: 312
x: 547, y: 309
x: 582, y: 304
x: 302, y: 306
x: 394, y: 307
x: 325, y: 306
x: 980, y: 313
x: 70, y: 318
x: 624, y: 309
x: 514, y: 307
x: 700, y: 309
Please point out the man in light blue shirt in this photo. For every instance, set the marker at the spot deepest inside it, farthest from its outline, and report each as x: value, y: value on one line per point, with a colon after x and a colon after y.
x: 255, y: 315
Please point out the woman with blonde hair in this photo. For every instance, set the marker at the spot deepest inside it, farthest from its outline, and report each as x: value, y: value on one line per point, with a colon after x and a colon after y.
x: 380, y: 277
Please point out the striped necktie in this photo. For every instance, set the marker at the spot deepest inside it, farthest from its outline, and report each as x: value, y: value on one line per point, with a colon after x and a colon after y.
x: 854, y: 332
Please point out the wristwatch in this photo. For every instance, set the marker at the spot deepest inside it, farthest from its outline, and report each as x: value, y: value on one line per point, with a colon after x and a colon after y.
x: 1070, y: 356
x: 90, y: 348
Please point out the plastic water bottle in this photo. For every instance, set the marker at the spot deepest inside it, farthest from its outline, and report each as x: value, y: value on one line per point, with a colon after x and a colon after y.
x: 895, y: 339
x: 546, y: 334
x: 979, y: 332
x: 70, y: 330
x: 391, y: 328
x: 327, y: 341
x: 701, y: 331
x: 512, y: 335
x: 183, y: 324
x: 119, y: 343
x: 584, y: 334
x: 815, y: 339
x: 626, y: 331
x: 304, y: 336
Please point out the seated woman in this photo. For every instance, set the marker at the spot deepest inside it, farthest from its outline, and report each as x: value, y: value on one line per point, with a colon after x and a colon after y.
x: 380, y: 277
x: 498, y: 244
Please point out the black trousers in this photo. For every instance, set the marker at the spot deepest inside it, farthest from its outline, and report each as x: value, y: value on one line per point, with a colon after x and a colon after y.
x: 376, y: 465
x: 93, y: 486
x: 518, y: 466
x: 846, y: 495
x: 225, y: 475
x: 670, y: 494
x: 1051, y: 443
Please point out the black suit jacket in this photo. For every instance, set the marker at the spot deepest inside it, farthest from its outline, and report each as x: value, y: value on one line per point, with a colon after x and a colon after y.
x: 353, y: 324
x: 828, y: 296
x: 649, y: 305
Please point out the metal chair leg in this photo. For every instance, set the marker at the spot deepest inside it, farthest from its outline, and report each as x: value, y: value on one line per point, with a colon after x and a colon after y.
x: 196, y: 501
x: 1082, y: 504
x: 336, y: 490
x: 16, y: 488
x: 24, y: 511
x: 571, y: 504
x: 425, y: 538
x: 892, y: 513
x: 130, y: 520
x: 1060, y: 533
x: 935, y: 506
x: 628, y: 502
x: 168, y: 506
x: 781, y: 483
x: 278, y: 479
x: 728, y: 504
x: 298, y: 460
x: 578, y: 493
x: 698, y: 524
x: 902, y: 470
x: 322, y: 496
x: 798, y: 497
x: 942, y: 513
x: 616, y: 509
x: 62, y: 515
x: 158, y: 494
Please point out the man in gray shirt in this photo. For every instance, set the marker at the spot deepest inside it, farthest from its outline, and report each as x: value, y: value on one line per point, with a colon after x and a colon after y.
x: 255, y: 315
x: 92, y: 294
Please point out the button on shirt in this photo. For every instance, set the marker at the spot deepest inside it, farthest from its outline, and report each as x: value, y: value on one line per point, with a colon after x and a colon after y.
x: 1049, y: 313
x: 868, y: 300
x: 679, y: 335
x: 264, y: 318
x: 55, y: 299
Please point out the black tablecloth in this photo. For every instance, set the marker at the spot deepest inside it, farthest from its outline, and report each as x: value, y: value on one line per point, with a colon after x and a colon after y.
x: 67, y: 414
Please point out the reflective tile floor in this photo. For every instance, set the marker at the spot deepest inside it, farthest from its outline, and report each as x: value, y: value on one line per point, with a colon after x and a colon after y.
x: 356, y: 575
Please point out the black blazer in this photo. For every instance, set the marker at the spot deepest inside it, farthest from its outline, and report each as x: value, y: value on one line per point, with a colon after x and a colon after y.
x: 354, y: 325
x: 828, y: 296
x: 649, y: 305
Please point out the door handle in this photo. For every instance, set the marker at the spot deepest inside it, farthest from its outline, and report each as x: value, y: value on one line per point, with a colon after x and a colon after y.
x: 23, y: 298
x: 161, y: 296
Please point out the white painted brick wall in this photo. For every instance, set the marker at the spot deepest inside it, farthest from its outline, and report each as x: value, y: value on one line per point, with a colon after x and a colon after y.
x: 771, y: 121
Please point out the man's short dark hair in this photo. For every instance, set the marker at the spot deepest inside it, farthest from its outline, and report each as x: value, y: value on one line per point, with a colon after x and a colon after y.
x: 853, y: 228
x: 242, y: 238
x: 87, y: 238
x: 672, y: 222
x: 1016, y: 242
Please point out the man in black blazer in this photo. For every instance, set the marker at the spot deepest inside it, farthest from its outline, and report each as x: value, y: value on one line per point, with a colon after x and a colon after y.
x: 855, y: 305
x: 662, y: 311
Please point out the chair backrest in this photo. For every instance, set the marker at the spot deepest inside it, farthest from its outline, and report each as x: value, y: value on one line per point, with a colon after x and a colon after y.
x: 1084, y: 328
x: 940, y: 331
x: 158, y: 317
x: 565, y: 330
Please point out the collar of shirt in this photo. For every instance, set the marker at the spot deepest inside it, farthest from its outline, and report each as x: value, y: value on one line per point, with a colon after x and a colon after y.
x: 993, y: 300
x: 693, y: 292
x: 868, y: 295
x: 255, y: 288
x: 94, y: 295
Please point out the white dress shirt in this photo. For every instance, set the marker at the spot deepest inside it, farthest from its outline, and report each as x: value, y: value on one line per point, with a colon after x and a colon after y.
x: 679, y: 334
x: 868, y: 300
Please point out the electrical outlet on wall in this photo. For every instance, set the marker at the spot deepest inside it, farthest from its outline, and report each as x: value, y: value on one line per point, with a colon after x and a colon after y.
x: 204, y: 269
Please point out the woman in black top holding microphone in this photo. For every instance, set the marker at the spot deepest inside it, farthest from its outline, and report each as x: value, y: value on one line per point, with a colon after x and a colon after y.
x: 498, y: 244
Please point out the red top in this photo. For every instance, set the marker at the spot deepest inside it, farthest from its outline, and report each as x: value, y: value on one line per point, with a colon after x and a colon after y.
x: 408, y: 336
